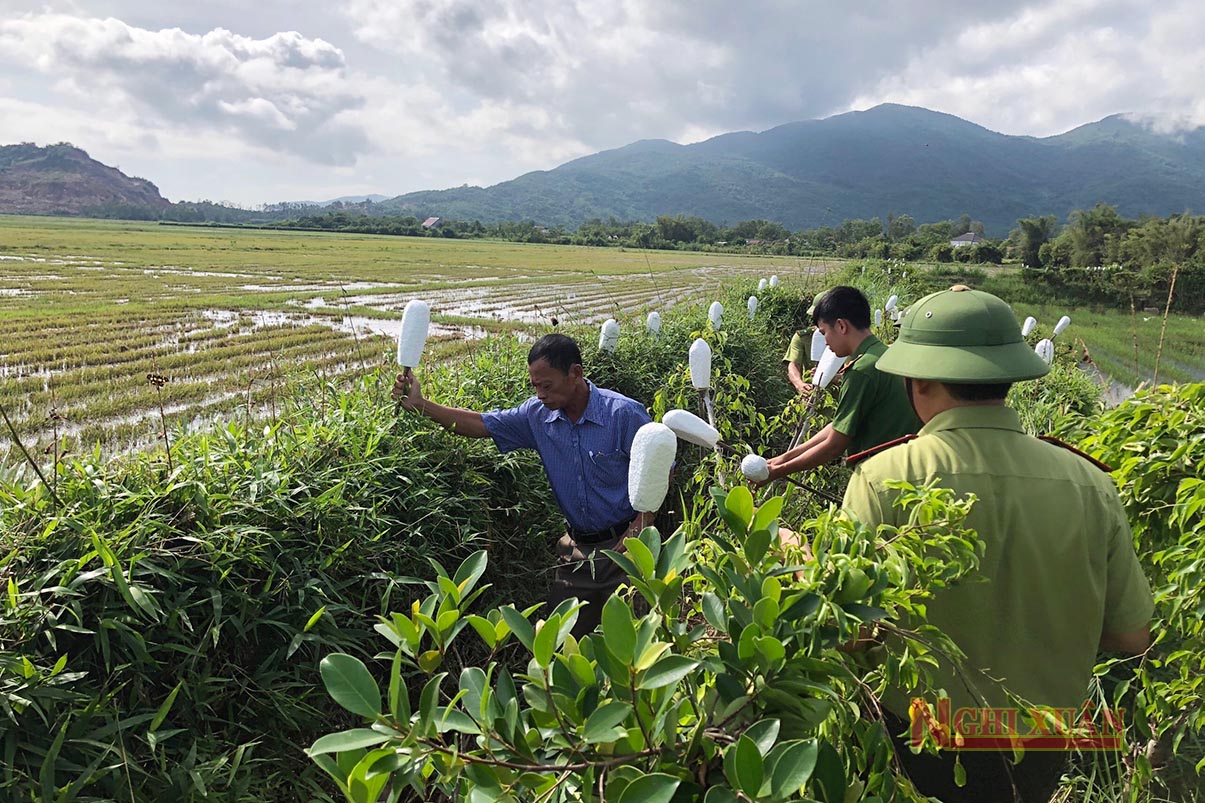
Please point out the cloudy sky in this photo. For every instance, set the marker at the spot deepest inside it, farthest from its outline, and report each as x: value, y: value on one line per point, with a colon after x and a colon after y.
x: 298, y: 99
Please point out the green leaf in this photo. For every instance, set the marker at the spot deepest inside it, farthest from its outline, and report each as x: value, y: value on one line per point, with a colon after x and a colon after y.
x: 399, y: 695
x: 484, y: 628
x: 619, y: 632
x: 353, y: 739
x: 764, y: 734
x: 960, y: 774
x: 448, y: 588
x: 313, y: 620
x: 720, y: 794
x: 829, y: 774
x: 768, y: 512
x: 428, y: 698
x: 756, y: 546
x: 739, y: 503
x: 470, y: 571
x: 164, y: 708
x: 672, y: 556
x: 602, y: 725
x: 641, y: 556
x: 793, y: 768
x: 545, y: 641
x: 743, y: 766
x: 655, y: 787
x: 713, y: 612
x: 765, y: 612
x: 669, y: 669
x: 430, y: 660
x: 519, y: 625
x: 771, y: 648
x: 349, y: 683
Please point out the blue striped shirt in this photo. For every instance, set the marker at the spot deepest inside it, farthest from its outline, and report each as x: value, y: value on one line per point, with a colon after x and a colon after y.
x: 586, y: 460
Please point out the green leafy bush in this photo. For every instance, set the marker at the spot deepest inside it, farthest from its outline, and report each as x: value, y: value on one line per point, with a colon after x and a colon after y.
x: 736, y: 683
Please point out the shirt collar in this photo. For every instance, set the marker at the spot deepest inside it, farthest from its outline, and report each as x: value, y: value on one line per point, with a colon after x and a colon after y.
x: 974, y: 417
x: 593, y: 409
x: 863, y: 347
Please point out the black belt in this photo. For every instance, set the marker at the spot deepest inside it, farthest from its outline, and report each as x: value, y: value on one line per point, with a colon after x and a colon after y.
x: 609, y: 534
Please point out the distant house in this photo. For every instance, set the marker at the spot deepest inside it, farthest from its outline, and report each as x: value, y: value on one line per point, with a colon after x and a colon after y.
x: 755, y: 242
x: 430, y: 223
x: 970, y: 238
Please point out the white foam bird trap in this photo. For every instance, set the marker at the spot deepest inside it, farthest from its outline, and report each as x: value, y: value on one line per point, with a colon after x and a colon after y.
x: 755, y: 468
x: 1045, y: 350
x: 752, y: 305
x: 774, y: 280
x: 826, y: 368
x: 715, y: 314
x: 1063, y: 323
x: 761, y: 284
x: 818, y: 346
x: 690, y: 428
x: 878, y: 317
x: 653, y: 451
x: 700, y: 364
x: 416, y: 320
x: 1028, y: 326
x: 891, y: 303
x: 653, y: 323
x: 608, y: 336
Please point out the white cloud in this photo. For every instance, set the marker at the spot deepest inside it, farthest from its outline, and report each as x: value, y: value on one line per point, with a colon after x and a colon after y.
x: 398, y: 95
x: 1050, y: 68
x: 283, y: 92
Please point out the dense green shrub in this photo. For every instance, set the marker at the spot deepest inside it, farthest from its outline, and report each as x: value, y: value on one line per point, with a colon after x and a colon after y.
x: 185, y: 612
x: 738, y: 682
x: 161, y: 630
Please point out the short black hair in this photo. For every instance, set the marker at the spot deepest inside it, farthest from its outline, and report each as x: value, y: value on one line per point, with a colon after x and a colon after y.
x: 560, y: 351
x: 842, y: 302
x: 997, y: 391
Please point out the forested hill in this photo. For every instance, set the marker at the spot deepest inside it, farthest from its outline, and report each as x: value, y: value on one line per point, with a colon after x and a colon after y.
x: 889, y: 159
x: 861, y: 165
x: 63, y: 180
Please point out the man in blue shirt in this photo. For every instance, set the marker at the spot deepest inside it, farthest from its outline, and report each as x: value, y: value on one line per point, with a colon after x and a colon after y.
x: 583, y: 435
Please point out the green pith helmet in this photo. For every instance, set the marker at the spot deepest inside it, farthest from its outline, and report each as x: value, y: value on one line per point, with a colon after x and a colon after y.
x: 961, y: 336
x: 812, y: 307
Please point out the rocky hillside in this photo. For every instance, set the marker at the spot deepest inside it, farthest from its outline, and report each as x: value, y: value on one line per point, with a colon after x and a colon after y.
x: 64, y: 180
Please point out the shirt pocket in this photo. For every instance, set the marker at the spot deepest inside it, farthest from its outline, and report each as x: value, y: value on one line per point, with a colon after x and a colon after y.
x: 610, y: 468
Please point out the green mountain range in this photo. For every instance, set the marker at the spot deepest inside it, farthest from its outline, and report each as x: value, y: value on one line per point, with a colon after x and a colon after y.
x: 889, y: 159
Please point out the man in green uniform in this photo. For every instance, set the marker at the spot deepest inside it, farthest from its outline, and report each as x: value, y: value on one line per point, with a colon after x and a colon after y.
x: 872, y: 407
x: 799, y: 352
x: 1062, y: 578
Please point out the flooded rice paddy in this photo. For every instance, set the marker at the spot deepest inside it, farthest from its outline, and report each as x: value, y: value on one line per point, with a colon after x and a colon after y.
x: 89, y: 308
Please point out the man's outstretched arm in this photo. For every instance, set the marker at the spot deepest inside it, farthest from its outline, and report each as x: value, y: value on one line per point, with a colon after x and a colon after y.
x: 468, y: 423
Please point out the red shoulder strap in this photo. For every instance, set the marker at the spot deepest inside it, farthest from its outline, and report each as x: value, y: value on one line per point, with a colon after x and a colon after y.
x: 882, y: 447
x: 1102, y: 466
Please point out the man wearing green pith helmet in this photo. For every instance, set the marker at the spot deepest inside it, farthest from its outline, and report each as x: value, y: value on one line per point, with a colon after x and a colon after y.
x: 1060, y: 577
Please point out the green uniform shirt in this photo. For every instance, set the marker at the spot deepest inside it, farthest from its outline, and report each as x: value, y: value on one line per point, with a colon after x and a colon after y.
x: 1058, y: 555
x: 799, y: 351
x: 872, y: 407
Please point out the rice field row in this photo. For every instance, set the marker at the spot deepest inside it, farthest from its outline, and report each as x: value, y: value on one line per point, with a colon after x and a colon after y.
x: 1125, y: 347
x: 89, y: 309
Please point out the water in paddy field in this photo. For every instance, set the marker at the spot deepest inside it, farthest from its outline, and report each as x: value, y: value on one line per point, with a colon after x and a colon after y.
x: 1115, y: 393
x: 348, y: 324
